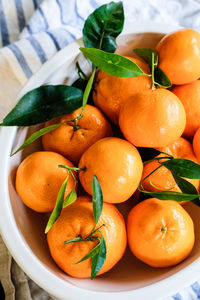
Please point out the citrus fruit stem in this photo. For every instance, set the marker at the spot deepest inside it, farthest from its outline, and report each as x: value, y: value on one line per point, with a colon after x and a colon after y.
x: 72, y: 168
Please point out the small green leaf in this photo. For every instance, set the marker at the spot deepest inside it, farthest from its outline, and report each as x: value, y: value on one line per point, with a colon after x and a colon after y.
x: 87, y: 90
x: 161, y: 79
x: 71, y: 198
x: 90, y: 254
x: 77, y: 239
x: 103, y: 26
x: 113, y: 64
x: 36, y: 135
x: 43, y: 104
x: 187, y: 187
x: 97, y: 199
x: 183, y: 168
x: 58, y: 206
x: 146, y: 55
x: 98, y: 259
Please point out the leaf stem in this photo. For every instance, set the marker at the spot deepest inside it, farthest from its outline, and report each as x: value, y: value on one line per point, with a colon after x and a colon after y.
x: 72, y: 168
x: 80, y: 72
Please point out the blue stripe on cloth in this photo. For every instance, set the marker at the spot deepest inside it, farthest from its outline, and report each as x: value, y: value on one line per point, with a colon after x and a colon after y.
x: 54, y: 40
x: 29, y: 29
x: 3, y: 27
x: 77, y: 12
x: 38, y: 49
x: 21, y: 59
x: 177, y: 297
x: 44, y: 18
x: 35, y: 4
x: 20, y: 14
x: 196, y: 288
x: 61, y: 12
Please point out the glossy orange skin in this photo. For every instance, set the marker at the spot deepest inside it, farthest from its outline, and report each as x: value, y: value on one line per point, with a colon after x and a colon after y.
x: 149, y: 243
x: 153, y: 118
x: 117, y: 165
x: 189, y: 94
x: 111, y: 92
x: 77, y: 219
x: 179, y: 55
x: 70, y: 143
x: 163, y: 178
x: 196, y: 144
x: 39, y: 179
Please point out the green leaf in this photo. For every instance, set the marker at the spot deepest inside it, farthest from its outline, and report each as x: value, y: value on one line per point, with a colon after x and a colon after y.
x: 171, y: 195
x: 80, y: 83
x: 187, y: 187
x: 90, y: 254
x: 146, y: 55
x: 183, y: 167
x: 113, y: 64
x: 43, y: 104
x: 77, y: 239
x: 98, y: 259
x: 36, y: 135
x: 161, y: 79
x: 97, y: 199
x: 58, y: 206
x: 103, y: 26
x: 87, y: 90
x: 71, y: 198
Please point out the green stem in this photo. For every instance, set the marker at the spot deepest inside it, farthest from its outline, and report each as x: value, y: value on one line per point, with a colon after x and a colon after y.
x: 157, y: 158
x: 72, y: 168
x: 140, y: 185
x: 80, y: 72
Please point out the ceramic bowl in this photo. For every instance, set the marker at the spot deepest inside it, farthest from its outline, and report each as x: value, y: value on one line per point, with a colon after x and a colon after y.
x: 23, y: 229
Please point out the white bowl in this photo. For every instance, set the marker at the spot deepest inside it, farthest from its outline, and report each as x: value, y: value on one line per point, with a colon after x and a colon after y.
x: 23, y: 229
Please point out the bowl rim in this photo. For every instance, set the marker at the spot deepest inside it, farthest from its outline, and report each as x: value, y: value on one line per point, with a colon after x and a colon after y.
x: 21, y: 251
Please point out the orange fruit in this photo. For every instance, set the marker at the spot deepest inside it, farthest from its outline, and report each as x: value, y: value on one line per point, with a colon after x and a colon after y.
x: 117, y: 165
x: 179, y: 55
x: 111, y: 92
x: 39, y: 179
x: 77, y: 220
x: 160, y: 233
x: 153, y: 118
x: 162, y: 178
x: 196, y: 144
x: 72, y: 142
x: 189, y: 94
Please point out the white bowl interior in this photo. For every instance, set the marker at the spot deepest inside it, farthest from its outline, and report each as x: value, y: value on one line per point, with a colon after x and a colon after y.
x: 130, y: 273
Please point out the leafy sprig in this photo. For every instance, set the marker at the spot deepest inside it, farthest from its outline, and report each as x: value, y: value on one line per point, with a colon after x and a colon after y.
x: 98, y: 252
x: 180, y: 169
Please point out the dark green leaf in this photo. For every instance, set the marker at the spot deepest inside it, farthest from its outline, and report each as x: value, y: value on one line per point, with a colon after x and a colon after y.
x: 58, y: 206
x: 98, y: 259
x: 161, y: 79
x: 43, y: 104
x: 183, y: 168
x: 187, y: 187
x: 171, y: 196
x: 103, y: 26
x: 71, y: 198
x: 90, y: 254
x: 97, y: 199
x: 113, y: 64
x: 146, y: 55
x: 36, y: 135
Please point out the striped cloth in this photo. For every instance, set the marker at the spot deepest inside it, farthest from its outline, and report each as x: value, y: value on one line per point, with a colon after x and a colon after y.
x: 32, y: 31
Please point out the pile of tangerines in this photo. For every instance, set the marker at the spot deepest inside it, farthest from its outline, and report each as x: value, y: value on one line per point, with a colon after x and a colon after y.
x: 160, y: 233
